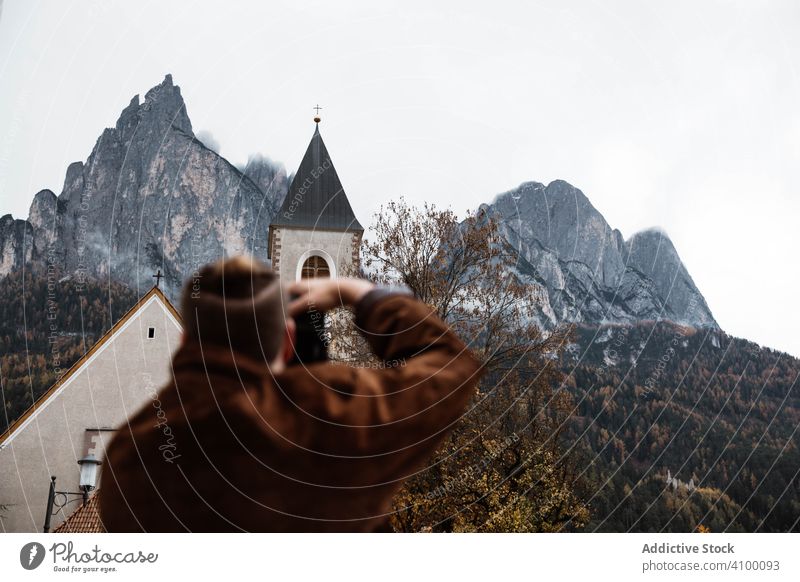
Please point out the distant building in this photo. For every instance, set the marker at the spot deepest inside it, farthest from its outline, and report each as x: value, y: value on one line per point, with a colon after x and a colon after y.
x: 315, y: 233
x: 676, y: 483
x: 77, y: 416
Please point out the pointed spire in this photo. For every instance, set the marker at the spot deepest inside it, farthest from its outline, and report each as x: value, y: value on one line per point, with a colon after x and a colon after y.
x: 316, y: 198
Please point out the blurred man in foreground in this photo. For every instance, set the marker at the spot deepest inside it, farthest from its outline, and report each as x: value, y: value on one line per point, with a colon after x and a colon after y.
x: 240, y: 440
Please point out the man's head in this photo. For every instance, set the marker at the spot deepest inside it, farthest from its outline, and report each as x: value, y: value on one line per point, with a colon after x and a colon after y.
x: 239, y: 303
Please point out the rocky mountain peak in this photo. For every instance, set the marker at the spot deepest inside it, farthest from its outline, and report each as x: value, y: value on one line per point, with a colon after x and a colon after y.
x: 269, y: 176
x: 163, y: 109
x: 15, y: 243
x: 651, y: 251
x: 561, y: 218
x: 42, y: 208
x: 165, y: 102
x: 74, y: 173
x: 586, y: 270
x: 150, y: 196
x: 44, y: 218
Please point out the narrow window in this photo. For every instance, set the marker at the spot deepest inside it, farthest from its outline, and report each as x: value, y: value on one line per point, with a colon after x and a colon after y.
x: 151, y: 332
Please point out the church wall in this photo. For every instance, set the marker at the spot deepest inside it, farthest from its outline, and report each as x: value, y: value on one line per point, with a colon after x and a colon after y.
x: 115, y: 382
x: 292, y: 246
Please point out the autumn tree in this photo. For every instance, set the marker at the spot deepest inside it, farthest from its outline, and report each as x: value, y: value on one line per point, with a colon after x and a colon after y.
x: 502, y: 468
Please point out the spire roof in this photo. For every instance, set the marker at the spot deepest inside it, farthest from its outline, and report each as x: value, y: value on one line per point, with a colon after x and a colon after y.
x: 316, y: 198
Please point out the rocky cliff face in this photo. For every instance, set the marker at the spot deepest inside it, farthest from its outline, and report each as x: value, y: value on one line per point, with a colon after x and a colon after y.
x: 16, y: 238
x: 270, y: 177
x: 652, y: 253
x: 582, y: 270
x: 150, y: 196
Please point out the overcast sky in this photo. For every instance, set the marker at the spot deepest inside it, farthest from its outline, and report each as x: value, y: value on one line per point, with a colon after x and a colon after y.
x: 680, y: 114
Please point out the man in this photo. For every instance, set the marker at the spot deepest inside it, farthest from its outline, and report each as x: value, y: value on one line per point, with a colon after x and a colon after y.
x: 242, y: 441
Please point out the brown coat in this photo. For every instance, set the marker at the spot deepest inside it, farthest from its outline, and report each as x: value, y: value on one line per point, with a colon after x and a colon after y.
x: 226, y: 446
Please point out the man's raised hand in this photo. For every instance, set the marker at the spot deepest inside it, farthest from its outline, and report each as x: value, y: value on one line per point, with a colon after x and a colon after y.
x: 325, y: 294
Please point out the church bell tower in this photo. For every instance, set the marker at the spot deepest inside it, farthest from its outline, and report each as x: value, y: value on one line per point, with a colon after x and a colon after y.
x: 315, y: 233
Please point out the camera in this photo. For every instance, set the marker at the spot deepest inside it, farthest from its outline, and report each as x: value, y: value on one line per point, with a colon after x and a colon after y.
x: 311, y: 338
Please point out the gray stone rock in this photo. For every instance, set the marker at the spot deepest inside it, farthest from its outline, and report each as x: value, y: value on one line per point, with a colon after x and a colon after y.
x: 584, y: 271
x: 16, y: 243
x: 653, y: 254
x: 270, y: 177
x: 150, y: 196
x: 45, y: 220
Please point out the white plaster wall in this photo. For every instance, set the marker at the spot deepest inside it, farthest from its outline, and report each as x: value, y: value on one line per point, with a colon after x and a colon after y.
x: 115, y: 383
x: 295, y: 245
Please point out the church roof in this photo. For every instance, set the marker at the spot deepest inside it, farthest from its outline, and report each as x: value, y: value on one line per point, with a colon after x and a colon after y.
x: 155, y: 291
x: 85, y: 519
x: 316, y: 198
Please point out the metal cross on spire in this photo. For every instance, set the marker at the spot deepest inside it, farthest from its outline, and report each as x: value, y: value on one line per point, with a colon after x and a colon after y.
x: 158, y: 276
x: 316, y: 117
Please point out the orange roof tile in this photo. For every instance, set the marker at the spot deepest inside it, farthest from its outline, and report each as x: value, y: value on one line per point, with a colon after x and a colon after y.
x: 85, y: 519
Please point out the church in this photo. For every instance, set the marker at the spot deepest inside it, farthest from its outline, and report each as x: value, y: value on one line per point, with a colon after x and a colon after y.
x: 315, y: 233
x: 76, y: 417
x: 49, y: 457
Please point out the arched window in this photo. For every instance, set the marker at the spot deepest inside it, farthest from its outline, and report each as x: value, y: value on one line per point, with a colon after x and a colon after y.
x: 315, y: 267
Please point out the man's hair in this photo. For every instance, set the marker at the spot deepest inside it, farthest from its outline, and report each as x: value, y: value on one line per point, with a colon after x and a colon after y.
x: 238, y: 303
